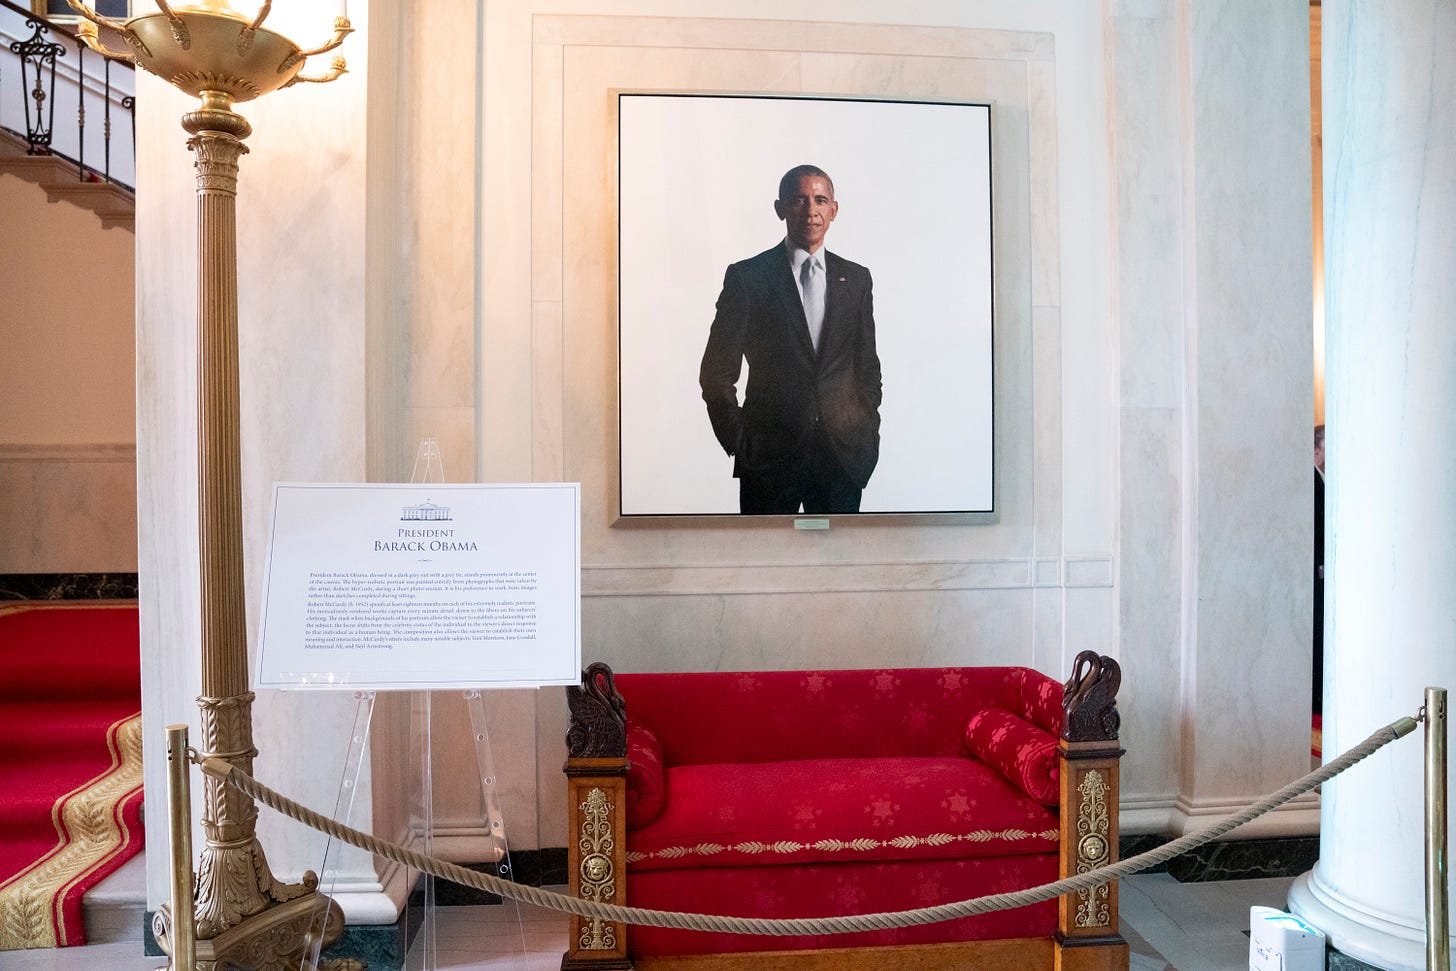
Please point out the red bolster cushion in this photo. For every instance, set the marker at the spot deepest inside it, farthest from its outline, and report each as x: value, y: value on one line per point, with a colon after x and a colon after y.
x: 646, y: 788
x: 1023, y: 753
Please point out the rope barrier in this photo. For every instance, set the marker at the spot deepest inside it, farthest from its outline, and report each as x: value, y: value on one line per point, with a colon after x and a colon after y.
x: 788, y: 927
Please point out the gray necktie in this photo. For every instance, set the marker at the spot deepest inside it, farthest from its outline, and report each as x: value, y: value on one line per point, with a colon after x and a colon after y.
x: 813, y: 286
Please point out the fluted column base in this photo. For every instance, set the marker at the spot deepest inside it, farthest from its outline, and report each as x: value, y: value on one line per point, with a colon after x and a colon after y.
x: 1373, y: 938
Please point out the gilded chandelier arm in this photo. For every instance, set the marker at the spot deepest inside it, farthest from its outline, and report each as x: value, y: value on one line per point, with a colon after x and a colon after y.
x: 180, y: 33
x: 91, y: 15
x: 336, y: 69
x: 90, y: 34
x: 245, y: 39
x: 262, y: 15
x: 342, y: 29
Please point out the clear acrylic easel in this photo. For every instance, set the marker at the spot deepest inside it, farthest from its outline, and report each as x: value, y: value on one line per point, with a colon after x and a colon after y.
x: 420, y: 904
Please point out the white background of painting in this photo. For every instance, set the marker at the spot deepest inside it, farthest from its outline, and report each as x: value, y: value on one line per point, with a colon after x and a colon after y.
x: 698, y: 179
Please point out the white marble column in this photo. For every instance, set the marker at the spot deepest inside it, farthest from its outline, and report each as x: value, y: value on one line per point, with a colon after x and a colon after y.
x: 1390, y: 272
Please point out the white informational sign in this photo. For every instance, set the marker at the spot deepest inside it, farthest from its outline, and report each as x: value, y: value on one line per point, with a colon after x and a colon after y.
x: 422, y: 586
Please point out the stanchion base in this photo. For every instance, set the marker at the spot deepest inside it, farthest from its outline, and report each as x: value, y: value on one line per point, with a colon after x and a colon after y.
x: 274, y: 940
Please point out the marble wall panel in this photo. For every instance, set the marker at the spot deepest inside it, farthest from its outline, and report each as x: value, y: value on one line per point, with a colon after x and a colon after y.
x: 170, y: 601
x: 1043, y: 453
x: 1253, y: 394
x: 697, y: 28
x: 1150, y: 594
x: 1148, y: 147
x: 547, y: 403
x: 1048, y: 638
x: 1090, y: 624
x: 504, y: 268
x: 438, y: 247
x: 1042, y: 167
x: 773, y: 631
x: 1147, y: 143
x: 1214, y: 319
x: 460, y: 813
x: 552, y: 721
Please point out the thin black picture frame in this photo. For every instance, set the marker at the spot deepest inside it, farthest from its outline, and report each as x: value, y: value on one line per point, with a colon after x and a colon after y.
x: 697, y: 175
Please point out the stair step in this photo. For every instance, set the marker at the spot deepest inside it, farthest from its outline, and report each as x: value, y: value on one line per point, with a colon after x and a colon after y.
x: 115, y: 910
x: 114, y: 204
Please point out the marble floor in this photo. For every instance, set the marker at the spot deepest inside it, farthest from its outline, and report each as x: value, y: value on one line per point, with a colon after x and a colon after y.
x: 1171, y: 926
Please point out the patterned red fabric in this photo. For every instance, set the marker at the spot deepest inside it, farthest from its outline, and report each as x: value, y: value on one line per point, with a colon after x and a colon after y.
x: 646, y: 794
x: 839, y: 810
x: 1041, y: 702
x: 851, y: 888
x: 778, y: 716
x: 1023, y: 753
x: 811, y: 793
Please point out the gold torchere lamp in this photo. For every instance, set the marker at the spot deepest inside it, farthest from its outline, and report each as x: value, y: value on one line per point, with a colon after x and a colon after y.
x: 244, y: 916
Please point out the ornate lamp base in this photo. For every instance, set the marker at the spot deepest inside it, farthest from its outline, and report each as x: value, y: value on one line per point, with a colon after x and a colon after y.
x: 274, y: 940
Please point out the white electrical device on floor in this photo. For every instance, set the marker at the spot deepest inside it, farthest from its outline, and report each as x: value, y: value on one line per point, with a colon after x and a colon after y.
x: 1282, y: 942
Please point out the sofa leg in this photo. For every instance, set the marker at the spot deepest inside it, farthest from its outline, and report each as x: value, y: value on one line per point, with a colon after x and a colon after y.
x: 1087, y: 923
x: 1089, y: 954
x: 569, y: 963
x: 597, y: 860
x: 596, y: 798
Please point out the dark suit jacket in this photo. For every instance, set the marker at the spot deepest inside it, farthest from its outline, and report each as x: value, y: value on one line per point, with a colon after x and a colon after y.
x: 760, y: 318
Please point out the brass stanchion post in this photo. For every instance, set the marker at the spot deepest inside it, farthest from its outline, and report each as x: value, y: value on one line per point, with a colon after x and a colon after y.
x: 1438, y: 903
x: 179, y: 821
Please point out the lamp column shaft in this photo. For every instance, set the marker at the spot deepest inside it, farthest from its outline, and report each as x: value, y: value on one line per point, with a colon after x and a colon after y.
x: 233, y: 881
x: 224, y: 644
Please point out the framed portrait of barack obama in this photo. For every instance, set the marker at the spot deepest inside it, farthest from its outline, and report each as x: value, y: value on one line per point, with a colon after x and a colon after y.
x: 805, y: 306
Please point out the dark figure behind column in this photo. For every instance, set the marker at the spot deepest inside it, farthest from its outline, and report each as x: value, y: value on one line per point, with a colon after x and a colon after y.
x: 1319, y: 569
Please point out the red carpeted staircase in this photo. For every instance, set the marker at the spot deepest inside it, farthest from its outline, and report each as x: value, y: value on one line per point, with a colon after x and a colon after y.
x: 70, y: 762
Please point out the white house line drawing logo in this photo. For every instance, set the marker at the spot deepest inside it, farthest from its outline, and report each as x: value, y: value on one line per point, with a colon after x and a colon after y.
x: 425, y: 512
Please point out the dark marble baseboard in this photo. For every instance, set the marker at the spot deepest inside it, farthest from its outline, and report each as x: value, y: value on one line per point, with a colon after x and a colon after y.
x: 379, y: 946
x: 533, y: 868
x: 68, y: 586
x: 1229, y: 860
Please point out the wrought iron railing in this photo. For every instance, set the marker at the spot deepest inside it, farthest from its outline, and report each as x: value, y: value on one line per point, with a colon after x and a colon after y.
x: 43, y: 65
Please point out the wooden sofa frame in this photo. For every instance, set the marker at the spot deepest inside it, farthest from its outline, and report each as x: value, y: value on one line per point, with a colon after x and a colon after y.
x: 1087, y: 936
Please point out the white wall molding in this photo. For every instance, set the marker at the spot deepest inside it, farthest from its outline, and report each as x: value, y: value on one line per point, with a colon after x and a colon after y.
x: 1298, y: 817
x: 868, y: 576
x: 84, y: 452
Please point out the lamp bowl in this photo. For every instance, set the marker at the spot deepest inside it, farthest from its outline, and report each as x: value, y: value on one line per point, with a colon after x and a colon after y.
x: 214, y: 57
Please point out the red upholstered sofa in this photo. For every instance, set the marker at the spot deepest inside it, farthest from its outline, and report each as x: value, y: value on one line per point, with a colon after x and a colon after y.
x: 819, y: 793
